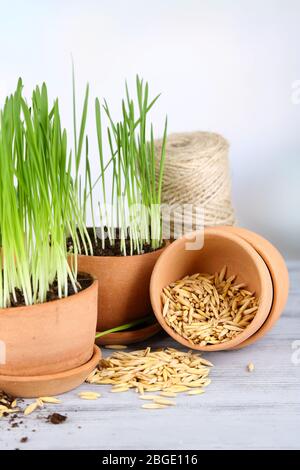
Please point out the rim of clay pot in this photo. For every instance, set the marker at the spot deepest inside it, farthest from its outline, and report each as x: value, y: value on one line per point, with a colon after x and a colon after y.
x: 263, y: 274
x: 130, y: 337
x: 120, y: 257
x: 34, y: 307
x: 50, y: 384
x: 279, y: 274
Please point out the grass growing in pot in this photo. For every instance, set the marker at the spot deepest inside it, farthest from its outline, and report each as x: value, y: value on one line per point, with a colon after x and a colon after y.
x: 126, y: 244
x: 37, y: 203
x: 49, y: 345
x: 135, y: 194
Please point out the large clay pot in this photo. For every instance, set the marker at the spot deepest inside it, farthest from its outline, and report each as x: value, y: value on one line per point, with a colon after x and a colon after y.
x: 48, y: 339
x: 123, y: 294
x: 220, y: 248
x: 279, y: 274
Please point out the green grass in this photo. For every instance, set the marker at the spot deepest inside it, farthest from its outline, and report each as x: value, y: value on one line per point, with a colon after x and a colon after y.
x: 38, y: 202
x: 135, y: 192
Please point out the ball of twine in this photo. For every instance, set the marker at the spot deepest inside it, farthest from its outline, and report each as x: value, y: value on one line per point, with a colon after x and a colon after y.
x: 197, y: 172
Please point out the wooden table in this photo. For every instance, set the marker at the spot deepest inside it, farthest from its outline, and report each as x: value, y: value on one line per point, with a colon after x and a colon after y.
x: 240, y: 410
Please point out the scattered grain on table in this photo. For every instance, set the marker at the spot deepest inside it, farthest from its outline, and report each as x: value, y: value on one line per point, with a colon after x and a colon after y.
x: 168, y: 394
x: 165, y: 370
x: 153, y: 406
x: 51, y: 400
x: 196, y: 391
x: 147, y: 397
x: 31, y: 408
x: 164, y: 401
x: 87, y: 395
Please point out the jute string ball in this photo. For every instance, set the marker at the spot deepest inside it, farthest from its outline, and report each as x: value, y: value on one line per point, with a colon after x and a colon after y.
x: 197, y: 172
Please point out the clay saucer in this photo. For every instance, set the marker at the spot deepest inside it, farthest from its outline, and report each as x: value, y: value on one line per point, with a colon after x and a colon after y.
x: 220, y: 248
x: 130, y: 337
x: 279, y: 275
x: 49, y: 385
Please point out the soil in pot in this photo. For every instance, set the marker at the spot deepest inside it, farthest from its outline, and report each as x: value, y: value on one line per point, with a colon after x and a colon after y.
x: 108, y: 249
x: 84, y: 280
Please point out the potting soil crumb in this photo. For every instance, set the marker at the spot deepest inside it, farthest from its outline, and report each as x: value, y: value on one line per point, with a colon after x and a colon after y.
x: 7, y: 400
x: 56, y: 418
x: 23, y: 440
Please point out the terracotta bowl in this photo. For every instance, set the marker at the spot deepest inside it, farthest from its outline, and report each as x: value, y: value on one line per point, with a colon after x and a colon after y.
x: 220, y: 248
x: 279, y: 275
x: 123, y: 292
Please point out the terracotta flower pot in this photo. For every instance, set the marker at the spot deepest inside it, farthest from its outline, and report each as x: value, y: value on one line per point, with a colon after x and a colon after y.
x: 279, y: 275
x: 48, y: 339
x: 123, y: 294
x: 220, y: 248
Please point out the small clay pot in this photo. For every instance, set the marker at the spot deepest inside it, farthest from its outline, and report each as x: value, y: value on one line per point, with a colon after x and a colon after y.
x: 123, y: 294
x: 220, y: 248
x: 279, y: 274
x: 130, y: 337
x: 49, y: 338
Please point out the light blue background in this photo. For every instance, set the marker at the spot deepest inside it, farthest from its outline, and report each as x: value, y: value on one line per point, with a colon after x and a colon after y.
x: 222, y: 65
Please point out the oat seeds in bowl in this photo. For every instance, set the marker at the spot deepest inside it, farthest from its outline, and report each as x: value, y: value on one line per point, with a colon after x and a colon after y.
x: 208, y: 309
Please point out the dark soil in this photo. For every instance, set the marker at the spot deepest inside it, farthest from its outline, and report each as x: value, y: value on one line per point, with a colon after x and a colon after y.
x: 56, y: 418
x: 83, y: 280
x: 14, y: 419
x: 23, y: 440
x: 6, y: 399
x: 109, y: 250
